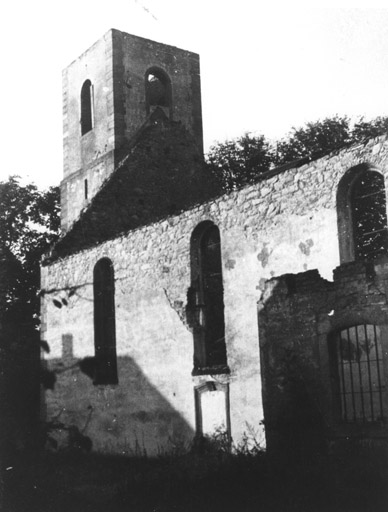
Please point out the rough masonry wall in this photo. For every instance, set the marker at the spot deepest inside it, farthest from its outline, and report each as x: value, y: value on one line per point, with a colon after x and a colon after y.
x: 95, y: 64
x: 286, y: 223
x: 89, y: 156
x: 133, y: 56
x: 116, y: 65
x: 297, y: 314
x: 162, y: 174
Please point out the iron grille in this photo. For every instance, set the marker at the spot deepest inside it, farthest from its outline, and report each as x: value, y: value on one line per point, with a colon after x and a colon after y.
x: 362, y: 390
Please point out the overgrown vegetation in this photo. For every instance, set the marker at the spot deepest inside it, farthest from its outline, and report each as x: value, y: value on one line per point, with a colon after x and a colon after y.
x: 209, y: 477
x: 29, y: 223
x: 241, y: 161
x: 199, y: 481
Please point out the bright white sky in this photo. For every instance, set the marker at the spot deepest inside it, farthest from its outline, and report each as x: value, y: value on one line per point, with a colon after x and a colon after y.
x: 264, y: 69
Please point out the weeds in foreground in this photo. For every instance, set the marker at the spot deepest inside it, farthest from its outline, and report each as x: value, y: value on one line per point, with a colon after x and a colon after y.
x: 212, y: 476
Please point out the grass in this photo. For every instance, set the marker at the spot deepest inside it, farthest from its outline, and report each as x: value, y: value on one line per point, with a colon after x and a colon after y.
x: 210, y: 481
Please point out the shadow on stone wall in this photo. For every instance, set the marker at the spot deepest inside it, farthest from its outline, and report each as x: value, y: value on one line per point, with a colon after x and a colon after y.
x: 131, y: 418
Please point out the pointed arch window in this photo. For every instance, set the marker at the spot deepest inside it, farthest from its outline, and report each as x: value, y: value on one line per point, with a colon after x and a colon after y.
x: 362, y: 215
x: 206, y: 300
x: 86, y: 107
x: 104, y: 323
x: 158, y: 89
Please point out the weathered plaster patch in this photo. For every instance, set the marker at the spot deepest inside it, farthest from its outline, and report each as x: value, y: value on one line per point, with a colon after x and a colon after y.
x: 306, y: 246
x: 177, y: 306
x: 230, y: 264
x: 264, y: 255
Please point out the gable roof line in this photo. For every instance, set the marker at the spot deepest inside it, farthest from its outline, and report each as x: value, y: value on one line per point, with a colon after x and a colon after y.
x: 263, y: 177
x: 295, y: 164
x: 128, y: 148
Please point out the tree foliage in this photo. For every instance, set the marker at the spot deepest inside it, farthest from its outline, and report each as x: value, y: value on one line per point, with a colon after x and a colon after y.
x: 368, y: 129
x: 313, y: 140
x: 242, y: 160
x: 29, y: 224
x: 237, y: 162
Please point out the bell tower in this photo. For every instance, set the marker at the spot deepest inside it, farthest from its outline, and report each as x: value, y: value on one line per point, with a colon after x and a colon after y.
x: 109, y: 92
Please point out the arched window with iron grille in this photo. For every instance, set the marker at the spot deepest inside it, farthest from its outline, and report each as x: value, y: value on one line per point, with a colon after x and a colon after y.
x: 358, y: 373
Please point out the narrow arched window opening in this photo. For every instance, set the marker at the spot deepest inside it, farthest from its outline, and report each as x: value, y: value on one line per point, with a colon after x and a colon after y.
x: 86, y: 107
x: 104, y: 323
x: 358, y: 370
x: 158, y: 89
x: 369, y: 216
x: 362, y: 215
x: 207, y: 300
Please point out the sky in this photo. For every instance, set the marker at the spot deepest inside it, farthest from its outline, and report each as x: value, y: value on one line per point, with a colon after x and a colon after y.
x: 265, y: 66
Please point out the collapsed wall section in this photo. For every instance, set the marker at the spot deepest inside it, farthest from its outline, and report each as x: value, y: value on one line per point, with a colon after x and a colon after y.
x: 314, y: 391
x: 286, y: 223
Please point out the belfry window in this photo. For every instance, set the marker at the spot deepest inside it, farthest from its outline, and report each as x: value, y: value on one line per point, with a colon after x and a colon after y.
x: 158, y: 89
x: 104, y: 323
x: 362, y: 215
x: 359, y: 374
x: 206, y: 300
x: 86, y: 107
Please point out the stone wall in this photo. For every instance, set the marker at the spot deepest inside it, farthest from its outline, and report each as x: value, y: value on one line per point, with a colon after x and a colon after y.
x: 297, y: 315
x: 133, y: 57
x: 89, y: 156
x: 116, y: 65
x: 161, y: 175
x: 285, y: 223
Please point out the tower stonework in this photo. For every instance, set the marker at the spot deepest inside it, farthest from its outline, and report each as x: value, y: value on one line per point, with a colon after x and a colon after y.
x: 124, y: 78
x: 150, y: 299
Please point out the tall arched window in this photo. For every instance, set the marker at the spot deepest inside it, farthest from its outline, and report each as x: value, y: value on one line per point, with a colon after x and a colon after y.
x: 86, y: 107
x: 158, y: 89
x: 206, y: 300
x: 358, y: 371
x: 362, y: 215
x: 104, y: 323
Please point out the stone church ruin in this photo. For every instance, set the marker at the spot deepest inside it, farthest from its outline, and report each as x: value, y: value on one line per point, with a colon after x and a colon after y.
x: 172, y: 312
